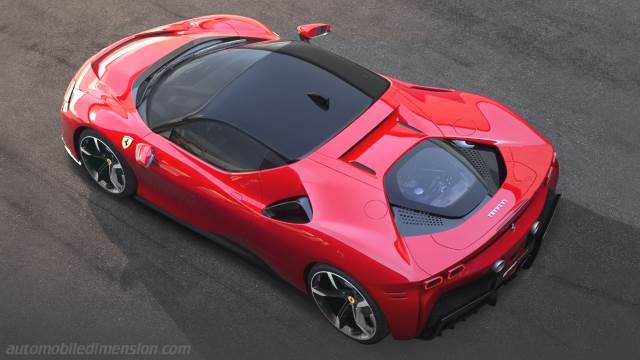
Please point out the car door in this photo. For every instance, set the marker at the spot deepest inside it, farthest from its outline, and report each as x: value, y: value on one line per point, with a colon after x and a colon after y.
x: 207, y: 174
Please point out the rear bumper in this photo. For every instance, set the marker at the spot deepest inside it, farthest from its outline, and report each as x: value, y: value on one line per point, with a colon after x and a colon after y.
x: 456, y: 303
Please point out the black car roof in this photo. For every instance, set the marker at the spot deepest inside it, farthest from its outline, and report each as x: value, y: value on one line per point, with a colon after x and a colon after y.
x: 290, y: 95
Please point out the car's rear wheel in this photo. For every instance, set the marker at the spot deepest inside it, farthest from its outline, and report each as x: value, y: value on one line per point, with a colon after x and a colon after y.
x: 346, y: 304
x: 105, y: 165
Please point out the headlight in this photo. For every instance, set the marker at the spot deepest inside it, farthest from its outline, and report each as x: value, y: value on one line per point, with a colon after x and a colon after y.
x: 67, y: 96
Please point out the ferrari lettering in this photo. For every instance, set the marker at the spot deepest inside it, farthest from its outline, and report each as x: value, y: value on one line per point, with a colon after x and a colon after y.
x: 496, y: 209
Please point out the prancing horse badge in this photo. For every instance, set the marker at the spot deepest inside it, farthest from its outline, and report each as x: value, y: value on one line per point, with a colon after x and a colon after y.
x: 126, y: 141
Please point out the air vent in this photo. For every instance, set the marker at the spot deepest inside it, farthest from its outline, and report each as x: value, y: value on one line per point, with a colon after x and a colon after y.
x: 297, y: 210
x: 430, y: 88
x: 402, y: 123
x: 362, y: 167
x: 417, y: 218
x: 475, y: 158
x: 485, y: 159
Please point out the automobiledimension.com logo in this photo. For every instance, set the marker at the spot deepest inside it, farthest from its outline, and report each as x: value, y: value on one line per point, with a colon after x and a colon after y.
x: 70, y: 349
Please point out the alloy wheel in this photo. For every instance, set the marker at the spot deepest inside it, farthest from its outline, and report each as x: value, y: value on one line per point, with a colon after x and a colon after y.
x: 343, y: 305
x: 102, y: 164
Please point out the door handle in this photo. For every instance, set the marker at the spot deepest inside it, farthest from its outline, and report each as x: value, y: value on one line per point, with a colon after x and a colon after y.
x: 144, y: 155
x: 237, y: 195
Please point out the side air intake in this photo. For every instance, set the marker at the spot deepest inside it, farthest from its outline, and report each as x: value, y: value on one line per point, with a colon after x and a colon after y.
x: 297, y: 211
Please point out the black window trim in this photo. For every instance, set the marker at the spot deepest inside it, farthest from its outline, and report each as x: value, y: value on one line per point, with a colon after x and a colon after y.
x: 166, y: 133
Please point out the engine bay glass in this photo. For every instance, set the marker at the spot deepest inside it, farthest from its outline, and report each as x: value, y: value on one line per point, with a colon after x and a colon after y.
x: 433, y: 178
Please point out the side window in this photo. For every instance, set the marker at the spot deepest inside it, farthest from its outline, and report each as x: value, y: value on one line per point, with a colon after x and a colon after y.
x: 224, y: 146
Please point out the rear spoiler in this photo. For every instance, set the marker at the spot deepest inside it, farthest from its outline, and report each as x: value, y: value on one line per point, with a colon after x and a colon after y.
x: 95, y: 64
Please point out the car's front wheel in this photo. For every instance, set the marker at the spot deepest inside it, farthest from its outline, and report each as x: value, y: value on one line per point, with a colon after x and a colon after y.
x: 105, y: 165
x: 346, y: 304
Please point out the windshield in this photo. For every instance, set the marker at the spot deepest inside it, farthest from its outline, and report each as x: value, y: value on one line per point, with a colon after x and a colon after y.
x: 291, y: 96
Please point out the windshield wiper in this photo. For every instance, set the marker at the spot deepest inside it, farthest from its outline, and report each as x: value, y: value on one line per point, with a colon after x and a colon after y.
x: 148, y: 84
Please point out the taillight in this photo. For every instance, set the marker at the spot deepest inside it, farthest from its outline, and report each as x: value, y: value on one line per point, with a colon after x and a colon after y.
x: 67, y: 96
x: 455, y: 271
x: 448, y: 275
x: 552, y: 168
x: 433, y: 282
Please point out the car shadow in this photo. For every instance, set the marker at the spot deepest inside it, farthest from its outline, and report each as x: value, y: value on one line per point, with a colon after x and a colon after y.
x: 206, y: 289
x: 211, y: 293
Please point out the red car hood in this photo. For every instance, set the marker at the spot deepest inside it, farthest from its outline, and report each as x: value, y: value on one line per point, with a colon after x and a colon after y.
x: 121, y: 63
x: 407, y: 115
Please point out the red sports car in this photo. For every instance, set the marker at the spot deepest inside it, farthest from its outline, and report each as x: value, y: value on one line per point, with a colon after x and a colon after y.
x: 397, y: 207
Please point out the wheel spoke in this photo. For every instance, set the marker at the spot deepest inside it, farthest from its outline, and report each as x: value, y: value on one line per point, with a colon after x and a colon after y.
x: 99, y: 157
x: 88, y: 153
x: 344, y: 310
x: 328, y: 293
x: 333, y: 282
x: 361, y: 322
x: 114, y: 176
x: 100, y: 172
x: 318, y: 292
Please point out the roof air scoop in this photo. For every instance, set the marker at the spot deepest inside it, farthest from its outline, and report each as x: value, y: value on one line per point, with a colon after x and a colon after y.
x: 321, y: 101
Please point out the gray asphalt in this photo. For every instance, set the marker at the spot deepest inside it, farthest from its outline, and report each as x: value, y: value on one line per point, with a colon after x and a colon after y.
x: 79, y: 267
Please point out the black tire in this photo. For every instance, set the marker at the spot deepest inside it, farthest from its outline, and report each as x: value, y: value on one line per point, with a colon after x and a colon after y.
x: 381, y: 329
x: 130, y: 183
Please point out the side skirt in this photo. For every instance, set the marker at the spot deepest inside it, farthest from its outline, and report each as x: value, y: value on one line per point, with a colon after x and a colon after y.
x: 220, y: 240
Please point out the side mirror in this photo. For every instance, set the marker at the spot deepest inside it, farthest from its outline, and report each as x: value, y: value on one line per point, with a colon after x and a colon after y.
x: 308, y: 31
x: 144, y: 155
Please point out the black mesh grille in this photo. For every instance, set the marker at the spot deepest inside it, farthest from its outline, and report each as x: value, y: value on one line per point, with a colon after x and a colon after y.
x: 486, y: 160
x: 454, y: 300
x: 416, y: 217
x: 475, y: 158
x: 457, y: 298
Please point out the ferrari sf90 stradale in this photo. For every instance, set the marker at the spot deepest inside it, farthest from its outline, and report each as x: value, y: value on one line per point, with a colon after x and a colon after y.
x: 397, y: 207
